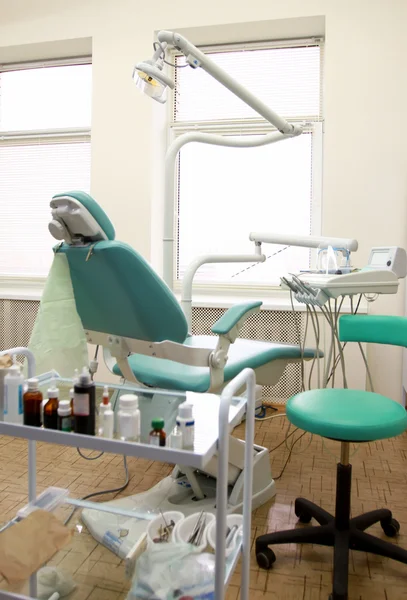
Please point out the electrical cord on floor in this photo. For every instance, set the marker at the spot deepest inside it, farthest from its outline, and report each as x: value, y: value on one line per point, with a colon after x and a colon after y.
x: 284, y: 440
x: 89, y: 457
x: 261, y: 418
x: 94, y: 494
x: 289, y: 455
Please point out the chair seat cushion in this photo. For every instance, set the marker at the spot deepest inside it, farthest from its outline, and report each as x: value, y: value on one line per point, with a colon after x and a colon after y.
x: 170, y: 375
x: 350, y: 415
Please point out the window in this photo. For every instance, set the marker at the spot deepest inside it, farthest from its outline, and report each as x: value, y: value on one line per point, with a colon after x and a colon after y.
x: 45, y: 118
x: 225, y: 193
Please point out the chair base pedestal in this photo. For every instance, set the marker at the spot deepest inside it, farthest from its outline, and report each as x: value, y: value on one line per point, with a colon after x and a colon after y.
x: 338, y: 531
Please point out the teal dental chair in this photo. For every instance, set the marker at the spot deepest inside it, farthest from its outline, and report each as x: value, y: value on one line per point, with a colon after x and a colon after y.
x: 346, y: 416
x: 126, y: 308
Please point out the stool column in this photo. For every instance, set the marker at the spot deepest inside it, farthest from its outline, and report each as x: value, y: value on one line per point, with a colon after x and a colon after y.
x: 343, y: 489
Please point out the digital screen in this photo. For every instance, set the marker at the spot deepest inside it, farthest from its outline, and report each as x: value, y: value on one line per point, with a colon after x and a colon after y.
x: 379, y: 258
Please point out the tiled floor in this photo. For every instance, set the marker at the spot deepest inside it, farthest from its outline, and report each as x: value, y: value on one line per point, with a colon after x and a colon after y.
x: 300, y: 573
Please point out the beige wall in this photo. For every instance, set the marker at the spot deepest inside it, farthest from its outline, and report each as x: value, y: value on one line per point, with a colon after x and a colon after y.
x: 365, y: 162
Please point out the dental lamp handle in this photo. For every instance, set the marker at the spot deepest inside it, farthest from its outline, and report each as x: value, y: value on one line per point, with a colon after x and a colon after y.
x: 196, y: 58
x: 305, y: 241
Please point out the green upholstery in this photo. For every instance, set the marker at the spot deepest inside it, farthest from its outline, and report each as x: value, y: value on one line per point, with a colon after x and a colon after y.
x: 233, y: 316
x: 116, y: 291
x: 95, y: 210
x: 349, y: 415
x: 373, y: 328
x: 167, y: 374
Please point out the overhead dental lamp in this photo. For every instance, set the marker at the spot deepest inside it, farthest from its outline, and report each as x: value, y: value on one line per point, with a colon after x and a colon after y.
x: 151, y: 79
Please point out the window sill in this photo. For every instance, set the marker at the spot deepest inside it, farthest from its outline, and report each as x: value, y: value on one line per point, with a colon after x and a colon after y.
x: 31, y: 288
x: 21, y: 288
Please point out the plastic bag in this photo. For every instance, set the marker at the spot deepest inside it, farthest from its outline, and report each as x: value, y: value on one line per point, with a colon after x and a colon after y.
x: 58, y: 340
x: 174, y: 572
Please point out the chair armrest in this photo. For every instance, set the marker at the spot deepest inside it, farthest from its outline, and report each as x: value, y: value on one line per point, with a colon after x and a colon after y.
x: 233, y: 316
x: 376, y: 329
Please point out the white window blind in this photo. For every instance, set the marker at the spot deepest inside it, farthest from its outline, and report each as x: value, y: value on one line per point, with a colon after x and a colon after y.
x: 224, y: 193
x: 287, y: 79
x: 45, y: 117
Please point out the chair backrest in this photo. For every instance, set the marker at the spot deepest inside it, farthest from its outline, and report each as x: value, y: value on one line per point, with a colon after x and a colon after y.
x: 117, y: 292
x: 375, y: 329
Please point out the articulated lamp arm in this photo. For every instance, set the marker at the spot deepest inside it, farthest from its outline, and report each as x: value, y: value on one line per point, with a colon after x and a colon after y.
x: 196, y: 59
x: 152, y: 81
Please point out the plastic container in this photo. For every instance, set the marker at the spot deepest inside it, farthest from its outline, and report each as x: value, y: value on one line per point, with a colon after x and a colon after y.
x: 185, y: 528
x: 175, y: 438
x: 231, y: 521
x: 48, y: 500
x: 128, y: 418
x: 186, y: 423
x: 64, y: 421
x: 108, y: 421
x: 32, y: 401
x: 13, y: 395
x: 102, y: 407
x: 153, y: 529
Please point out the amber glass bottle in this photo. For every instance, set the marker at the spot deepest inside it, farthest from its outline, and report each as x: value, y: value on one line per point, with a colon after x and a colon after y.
x: 51, y: 408
x: 32, y: 402
x: 157, y: 434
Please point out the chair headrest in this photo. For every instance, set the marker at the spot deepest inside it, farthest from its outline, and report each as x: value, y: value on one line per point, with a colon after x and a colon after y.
x: 77, y: 216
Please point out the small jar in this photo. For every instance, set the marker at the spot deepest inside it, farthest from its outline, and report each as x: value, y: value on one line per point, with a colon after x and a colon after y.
x: 64, y: 415
x: 186, y: 423
x: 157, y: 434
x: 129, y: 418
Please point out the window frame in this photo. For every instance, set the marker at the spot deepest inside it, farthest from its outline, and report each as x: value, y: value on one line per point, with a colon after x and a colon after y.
x: 251, y: 126
x: 23, y: 286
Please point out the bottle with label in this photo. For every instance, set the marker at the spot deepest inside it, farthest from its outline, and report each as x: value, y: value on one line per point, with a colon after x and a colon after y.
x: 13, y: 395
x: 51, y: 408
x: 129, y: 418
x: 186, y: 423
x: 72, y: 390
x: 64, y: 416
x: 157, y: 434
x: 84, y: 404
x: 32, y: 403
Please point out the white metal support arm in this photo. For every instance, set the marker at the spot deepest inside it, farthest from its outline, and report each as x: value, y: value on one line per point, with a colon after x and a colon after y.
x: 286, y: 130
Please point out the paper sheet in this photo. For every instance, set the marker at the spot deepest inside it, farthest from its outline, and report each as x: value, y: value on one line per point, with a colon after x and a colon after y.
x: 27, y: 545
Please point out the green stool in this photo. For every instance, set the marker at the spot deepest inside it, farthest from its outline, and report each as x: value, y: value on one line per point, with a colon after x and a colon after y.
x: 346, y: 416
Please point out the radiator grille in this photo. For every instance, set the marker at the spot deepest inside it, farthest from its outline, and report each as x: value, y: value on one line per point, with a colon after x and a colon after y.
x: 267, y: 325
x: 17, y: 319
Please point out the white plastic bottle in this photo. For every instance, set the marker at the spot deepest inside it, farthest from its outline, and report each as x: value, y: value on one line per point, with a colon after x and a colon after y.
x: 186, y: 423
x: 129, y: 418
x: 104, y: 405
x: 108, y: 421
x: 13, y: 396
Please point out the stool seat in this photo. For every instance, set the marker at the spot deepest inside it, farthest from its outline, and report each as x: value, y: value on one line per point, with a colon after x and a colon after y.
x: 347, y: 415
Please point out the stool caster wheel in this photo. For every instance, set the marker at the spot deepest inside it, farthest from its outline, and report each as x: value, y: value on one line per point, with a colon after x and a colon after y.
x: 304, y: 518
x: 391, y: 529
x: 265, y: 558
x: 303, y: 515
